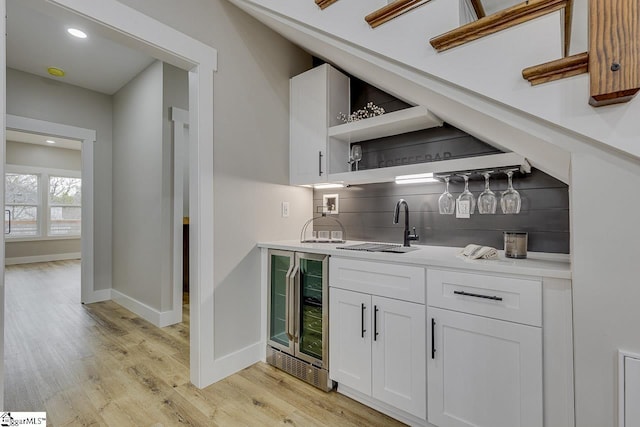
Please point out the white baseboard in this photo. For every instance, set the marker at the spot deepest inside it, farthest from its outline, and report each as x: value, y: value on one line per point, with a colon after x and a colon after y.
x: 150, y: 314
x: 98, y: 296
x: 170, y: 317
x: 234, y: 362
x: 41, y: 258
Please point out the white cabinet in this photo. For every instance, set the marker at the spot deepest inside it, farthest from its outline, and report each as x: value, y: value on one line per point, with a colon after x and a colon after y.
x: 483, y: 370
x: 398, y: 354
x: 350, y: 339
x: 377, y: 347
x: 316, y: 98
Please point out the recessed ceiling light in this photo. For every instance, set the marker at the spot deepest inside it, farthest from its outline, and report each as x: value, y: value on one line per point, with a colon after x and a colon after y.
x: 50, y: 141
x: 55, y: 71
x: 77, y: 33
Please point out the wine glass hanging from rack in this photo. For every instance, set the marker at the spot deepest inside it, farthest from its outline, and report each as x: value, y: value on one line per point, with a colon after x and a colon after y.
x: 509, y: 201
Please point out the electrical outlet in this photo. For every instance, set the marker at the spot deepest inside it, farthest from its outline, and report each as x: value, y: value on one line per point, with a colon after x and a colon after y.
x: 285, y: 209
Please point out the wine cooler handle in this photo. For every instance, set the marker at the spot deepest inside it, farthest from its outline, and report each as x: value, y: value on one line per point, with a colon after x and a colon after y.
x: 433, y: 338
x: 375, y: 322
x: 362, y: 329
x: 287, y: 298
x: 291, y: 304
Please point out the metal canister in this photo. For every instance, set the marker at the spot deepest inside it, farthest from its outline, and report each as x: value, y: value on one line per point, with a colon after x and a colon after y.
x: 515, y: 244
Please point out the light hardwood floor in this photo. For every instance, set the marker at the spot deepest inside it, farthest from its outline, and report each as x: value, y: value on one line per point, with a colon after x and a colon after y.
x: 100, y: 364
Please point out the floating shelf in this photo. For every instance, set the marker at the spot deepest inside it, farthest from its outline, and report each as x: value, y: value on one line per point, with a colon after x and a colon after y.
x: 492, y: 161
x: 395, y: 123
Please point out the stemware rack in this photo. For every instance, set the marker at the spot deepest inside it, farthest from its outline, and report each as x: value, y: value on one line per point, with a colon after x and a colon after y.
x: 523, y: 168
x: 466, y: 202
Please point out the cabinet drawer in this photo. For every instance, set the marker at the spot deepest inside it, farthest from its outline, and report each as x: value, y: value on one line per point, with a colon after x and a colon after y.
x: 388, y: 280
x: 513, y: 299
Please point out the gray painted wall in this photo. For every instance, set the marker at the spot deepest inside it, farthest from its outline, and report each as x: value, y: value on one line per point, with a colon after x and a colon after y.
x: 49, y: 157
x: 251, y: 153
x: 139, y: 244
x: 19, y: 153
x: 44, y: 99
x: 143, y: 184
x: 42, y: 248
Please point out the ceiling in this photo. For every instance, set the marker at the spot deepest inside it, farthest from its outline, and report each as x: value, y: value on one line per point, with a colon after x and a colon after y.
x: 33, y: 138
x: 37, y: 39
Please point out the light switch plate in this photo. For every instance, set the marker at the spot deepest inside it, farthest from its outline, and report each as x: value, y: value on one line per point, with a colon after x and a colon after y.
x: 463, y: 209
x: 285, y: 209
x: 330, y: 204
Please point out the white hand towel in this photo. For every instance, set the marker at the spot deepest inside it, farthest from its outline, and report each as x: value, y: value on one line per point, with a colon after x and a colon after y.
x: 479, y: 252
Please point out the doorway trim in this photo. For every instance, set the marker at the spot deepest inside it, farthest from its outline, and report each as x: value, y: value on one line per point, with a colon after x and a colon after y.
x: 163, y: 42
x: 87, y: 137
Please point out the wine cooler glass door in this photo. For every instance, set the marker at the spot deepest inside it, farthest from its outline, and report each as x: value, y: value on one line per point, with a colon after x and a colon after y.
x: 281, y: 310
x: 311, y: 344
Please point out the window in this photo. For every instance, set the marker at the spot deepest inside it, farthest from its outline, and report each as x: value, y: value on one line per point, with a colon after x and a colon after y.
x: 64, y: 206
x: 42, y: 203
x: 22, y: 204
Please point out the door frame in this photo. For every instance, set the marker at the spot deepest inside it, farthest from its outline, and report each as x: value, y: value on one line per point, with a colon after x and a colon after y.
x: 165, y: 43
x: 87, y: 137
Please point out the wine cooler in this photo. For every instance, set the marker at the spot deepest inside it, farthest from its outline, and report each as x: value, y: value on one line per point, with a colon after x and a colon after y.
x: 298, y: 315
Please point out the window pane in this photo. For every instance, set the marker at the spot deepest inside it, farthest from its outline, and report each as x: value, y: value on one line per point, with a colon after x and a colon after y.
x: 21, y: 188
x: 24, y: 221
x: 65, y: 221
x: 65, y: 191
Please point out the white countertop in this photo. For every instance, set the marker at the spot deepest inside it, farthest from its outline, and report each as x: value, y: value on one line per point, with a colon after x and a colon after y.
x: 537, y: 264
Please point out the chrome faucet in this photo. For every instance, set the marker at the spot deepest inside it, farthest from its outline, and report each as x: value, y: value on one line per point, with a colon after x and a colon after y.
x: 408, y: 237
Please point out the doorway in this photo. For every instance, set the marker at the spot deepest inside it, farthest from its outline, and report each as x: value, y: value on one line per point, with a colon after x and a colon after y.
x: 85, y: 138
x: 164, y: 43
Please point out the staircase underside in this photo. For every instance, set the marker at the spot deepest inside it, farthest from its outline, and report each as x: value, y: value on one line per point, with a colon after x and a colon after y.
x: 547, y: 145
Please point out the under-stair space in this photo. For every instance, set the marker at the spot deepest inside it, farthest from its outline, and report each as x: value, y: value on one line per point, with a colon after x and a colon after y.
x: 477, y: 86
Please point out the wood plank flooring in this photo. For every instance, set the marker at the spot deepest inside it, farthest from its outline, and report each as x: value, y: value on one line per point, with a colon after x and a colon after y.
x: 101, y: 365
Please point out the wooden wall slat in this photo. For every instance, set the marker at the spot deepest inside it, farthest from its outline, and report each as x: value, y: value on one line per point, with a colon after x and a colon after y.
x: 614, y: 51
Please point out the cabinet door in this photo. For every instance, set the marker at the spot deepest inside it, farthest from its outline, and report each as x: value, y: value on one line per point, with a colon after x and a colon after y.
x: 280, y: 314
x: 399, y: 355
x: 350, y: 339
x: 484, y: 372
x: 313, y: 311
x: 308, y: 127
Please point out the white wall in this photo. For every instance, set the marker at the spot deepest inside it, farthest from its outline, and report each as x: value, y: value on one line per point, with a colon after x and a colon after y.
x: 39, y: 98
x: 138, y: 204
x: 251, y: 149
x: 47, y: 157
x: 606, y: 292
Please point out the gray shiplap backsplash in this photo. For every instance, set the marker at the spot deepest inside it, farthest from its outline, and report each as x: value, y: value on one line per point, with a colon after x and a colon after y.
x: 366, y: 211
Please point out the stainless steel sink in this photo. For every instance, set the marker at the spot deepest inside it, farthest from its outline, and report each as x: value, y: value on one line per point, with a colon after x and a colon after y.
x: 378, y: 247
